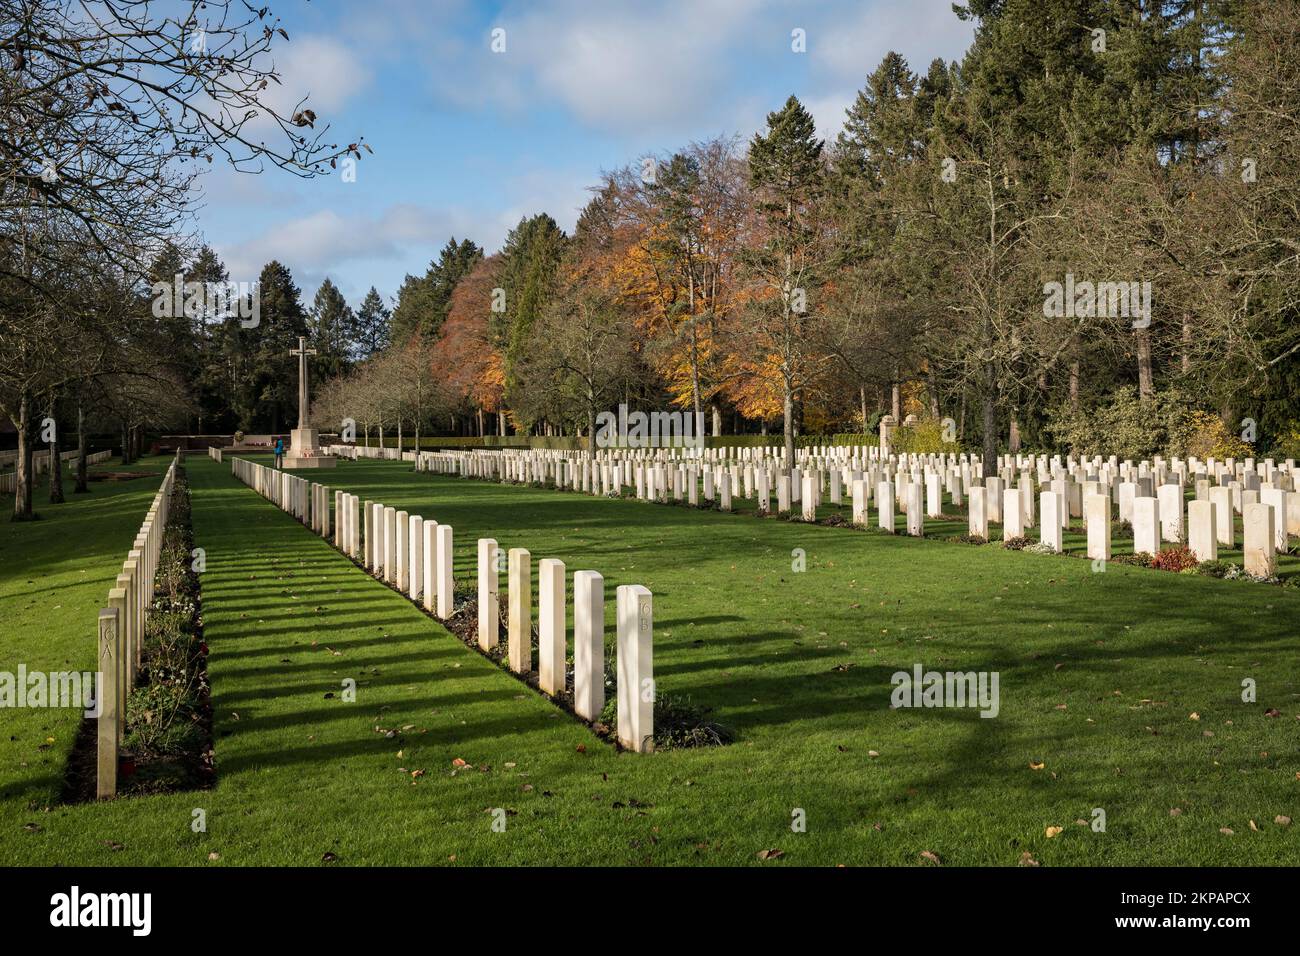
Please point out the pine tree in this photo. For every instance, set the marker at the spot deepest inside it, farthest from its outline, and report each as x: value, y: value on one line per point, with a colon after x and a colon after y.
x: 787, y: 176
x: 370, y: 327
x: 331, y: 324
x: 530, y: 258
x: 274, y: 398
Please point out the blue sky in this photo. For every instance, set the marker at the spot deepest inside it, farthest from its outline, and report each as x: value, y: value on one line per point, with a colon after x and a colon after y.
x: 467, y: 141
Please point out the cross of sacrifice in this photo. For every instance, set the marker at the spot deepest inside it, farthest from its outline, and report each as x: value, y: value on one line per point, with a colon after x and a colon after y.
x: 302, y: 352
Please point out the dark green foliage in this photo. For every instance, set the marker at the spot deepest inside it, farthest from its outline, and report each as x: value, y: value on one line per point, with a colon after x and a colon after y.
x: 371, y: 327
x: 423, y: 301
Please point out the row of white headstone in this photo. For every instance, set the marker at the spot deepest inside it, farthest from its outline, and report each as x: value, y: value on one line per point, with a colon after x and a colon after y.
x: 9, y: 482
x: 415, y: 556
x: 121, y: 634
x: 1149, y: 495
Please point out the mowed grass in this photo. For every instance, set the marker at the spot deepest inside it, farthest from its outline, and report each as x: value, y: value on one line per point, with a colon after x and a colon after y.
x: 1098, y: 676
x: 55, y: 574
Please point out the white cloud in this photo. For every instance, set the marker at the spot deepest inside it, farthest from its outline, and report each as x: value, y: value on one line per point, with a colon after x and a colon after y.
x: 615, y: 67
x: 847, y: 48
x: 679, y: 65
x: 401, y: 237
x: 320, y: 68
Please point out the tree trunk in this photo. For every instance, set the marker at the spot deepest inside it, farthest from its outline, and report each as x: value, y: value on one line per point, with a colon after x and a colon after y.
x: 1074, y: 386
x: 717, y: 419
x: 1187, y: 343
x: 591, y: 427
x: 83, y: 478
x: 56, y: 461
x: 896, y: 403
x: 695, y: 360
x: 126, y: 444
x: 23, y: 465
x: 862, y: 401
x: 788, y: 410
x: 1146, y: 387
x: 501, y: 423
x: 990, y: 425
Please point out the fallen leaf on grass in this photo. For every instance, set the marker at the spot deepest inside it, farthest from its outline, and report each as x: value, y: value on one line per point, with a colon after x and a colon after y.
x: 931, y: 857
x: 1036, y: 765
x: 1282, y: 821
x: 1027, y: 859
x: 770, y: 854
x: 1053, y: 831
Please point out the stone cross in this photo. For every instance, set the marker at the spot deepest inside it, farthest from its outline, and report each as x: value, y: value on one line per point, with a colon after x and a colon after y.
x: 302, y: 352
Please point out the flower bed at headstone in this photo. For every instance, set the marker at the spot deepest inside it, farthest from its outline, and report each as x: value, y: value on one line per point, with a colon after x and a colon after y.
x: 1178, y: 558
x: 168, y: 742
x: 677, y: 721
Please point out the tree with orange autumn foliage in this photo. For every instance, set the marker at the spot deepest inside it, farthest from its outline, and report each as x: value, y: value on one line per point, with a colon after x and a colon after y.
x: 464, y: 353
x: 686, y: 219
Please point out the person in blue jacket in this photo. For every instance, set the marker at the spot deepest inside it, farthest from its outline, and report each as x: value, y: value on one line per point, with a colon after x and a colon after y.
x: 279, y: 453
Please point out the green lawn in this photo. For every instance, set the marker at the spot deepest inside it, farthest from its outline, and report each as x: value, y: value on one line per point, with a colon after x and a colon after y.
x: 55, y: 574
x: 1099, y: 674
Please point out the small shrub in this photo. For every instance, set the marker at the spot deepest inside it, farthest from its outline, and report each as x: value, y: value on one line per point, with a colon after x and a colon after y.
x: 679, y: 723
x: 1039, y: 547
x: 1017, y: 543
x: 1206, y: 436
x: 1179, y: 558
x: 923, y: 437
x: 1142, y: 560
x: 1215, y: 569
